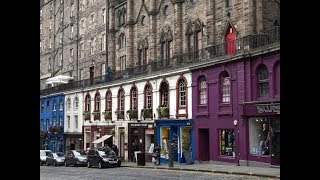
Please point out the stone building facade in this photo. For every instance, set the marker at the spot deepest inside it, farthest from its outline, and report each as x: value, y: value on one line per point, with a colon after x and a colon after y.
x: 92, y: 39
x: 58, y: 39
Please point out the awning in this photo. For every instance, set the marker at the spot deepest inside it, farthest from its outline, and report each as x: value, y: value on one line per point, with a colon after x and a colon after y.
x: 60, y: 79
x: 101, y: 139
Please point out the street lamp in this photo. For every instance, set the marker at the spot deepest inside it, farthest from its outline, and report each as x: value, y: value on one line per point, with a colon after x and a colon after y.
x: 235, y: 123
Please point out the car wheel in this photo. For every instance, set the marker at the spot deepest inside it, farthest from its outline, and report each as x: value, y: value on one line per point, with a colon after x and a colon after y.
x: 100, y: 165
x: 65, y: 164
x: 47, y: 163
x: 54, y: 163
x: 88, y: 164
x: 40, y: 163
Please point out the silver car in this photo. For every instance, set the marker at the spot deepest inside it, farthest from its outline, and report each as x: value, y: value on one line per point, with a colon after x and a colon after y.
x: 43, y: 156
x: 55, y: 159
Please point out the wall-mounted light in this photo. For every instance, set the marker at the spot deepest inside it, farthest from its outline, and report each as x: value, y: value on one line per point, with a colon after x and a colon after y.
x: 235, y: 122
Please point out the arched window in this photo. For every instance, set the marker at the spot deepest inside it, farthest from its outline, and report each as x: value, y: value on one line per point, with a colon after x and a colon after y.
x: 121, y: 103
x: 122, y: 41
x: 164, y: 92
x: 148, y: 96
x: 97, y: 102
x: 122, y: 16
x: 182, y: 92
x: 76, y: 103
x: 68, y: 104
x: 225, y: 87
x: 134, y: 98
x: 230, y: 40
x: 87, y: 103
x: 108, y: 101
x: 263, y: 81
x: 202, y: 90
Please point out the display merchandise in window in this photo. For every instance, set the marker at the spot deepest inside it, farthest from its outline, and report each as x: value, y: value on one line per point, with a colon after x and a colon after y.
x: 259, y: 136
x: 164, y: 152
x: 227, y: 144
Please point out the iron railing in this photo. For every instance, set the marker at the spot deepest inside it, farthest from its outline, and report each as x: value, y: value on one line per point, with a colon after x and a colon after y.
x: 242, y: 45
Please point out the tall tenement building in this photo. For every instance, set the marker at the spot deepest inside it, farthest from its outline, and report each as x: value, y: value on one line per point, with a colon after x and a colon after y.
x: 203, y: 74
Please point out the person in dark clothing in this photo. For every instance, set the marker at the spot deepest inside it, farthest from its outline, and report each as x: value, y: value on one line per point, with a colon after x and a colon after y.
x: 115, y: 149
x: 156, y: 155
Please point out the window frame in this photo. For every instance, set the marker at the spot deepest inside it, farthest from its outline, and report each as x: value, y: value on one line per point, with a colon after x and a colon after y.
x: 97, y: 102
x: 202, y: 89
x: 263, y: 84
x: 225, y: 89
x: 134, y: 98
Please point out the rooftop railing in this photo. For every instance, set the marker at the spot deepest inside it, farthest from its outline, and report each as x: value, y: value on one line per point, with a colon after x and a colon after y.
x: 229, y: 48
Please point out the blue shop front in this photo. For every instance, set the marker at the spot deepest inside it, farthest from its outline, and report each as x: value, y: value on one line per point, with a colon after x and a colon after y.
x: 179, y: 134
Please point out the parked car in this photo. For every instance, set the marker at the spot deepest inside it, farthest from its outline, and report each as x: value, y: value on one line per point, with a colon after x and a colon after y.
x: 103, y: 157
x: 75, y: 158
x: 43, y: 156
x: 55, y: 159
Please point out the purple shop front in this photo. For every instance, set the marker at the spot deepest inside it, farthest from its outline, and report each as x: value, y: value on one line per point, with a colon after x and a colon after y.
x: 236, y: 110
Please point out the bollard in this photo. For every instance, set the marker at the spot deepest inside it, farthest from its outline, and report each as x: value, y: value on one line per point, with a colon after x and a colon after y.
x: 170, y: 154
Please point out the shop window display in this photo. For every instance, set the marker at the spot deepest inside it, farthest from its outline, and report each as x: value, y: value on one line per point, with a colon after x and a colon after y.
x: 164, y: 152
x: 259, y: 136
x: 227, y: 144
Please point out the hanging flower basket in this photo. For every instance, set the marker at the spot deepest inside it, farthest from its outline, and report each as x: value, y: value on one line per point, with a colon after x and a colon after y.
x: 107, y: 114
x: 146, y: 113
x: 133, y: 113
x: 163, y: 111
x: 96, y: 115
x: 86, y: 115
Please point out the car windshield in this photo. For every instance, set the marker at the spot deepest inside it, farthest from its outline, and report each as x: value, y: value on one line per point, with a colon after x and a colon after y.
x: 79, y: 152
x: 107, y: 151
x: 58, y: 154
x: 102, y: 153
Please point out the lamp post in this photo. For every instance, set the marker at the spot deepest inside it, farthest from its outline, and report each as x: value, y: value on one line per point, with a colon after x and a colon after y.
x: 235, y: 123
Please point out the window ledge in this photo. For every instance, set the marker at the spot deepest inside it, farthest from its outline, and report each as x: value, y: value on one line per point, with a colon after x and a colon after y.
x: 222, y: 113
x: 224, y: 104
x: 202, y: 114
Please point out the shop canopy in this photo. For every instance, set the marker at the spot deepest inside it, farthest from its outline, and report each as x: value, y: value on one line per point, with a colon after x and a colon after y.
x: 60, y: 79
x: 101, y: 139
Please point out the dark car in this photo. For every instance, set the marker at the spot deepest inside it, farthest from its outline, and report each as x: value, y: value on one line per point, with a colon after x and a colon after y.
x: 103, y: 157
x: 43, y: 156
x: 55, y: 159
x: 76, y: 158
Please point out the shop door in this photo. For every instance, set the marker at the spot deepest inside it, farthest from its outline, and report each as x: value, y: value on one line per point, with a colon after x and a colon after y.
x: 174, y: 141
x: 230, y: 41
x: 275, y: 141
x: 204, y: 150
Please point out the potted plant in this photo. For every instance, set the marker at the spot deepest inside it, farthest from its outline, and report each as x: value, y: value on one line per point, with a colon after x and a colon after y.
x: 119, y: 114
x: 86, y: 115
x: 96, y: 115
x: 107, y: 114
x: 163, y: 111
x: 146, y: 113
x: 133, y: 113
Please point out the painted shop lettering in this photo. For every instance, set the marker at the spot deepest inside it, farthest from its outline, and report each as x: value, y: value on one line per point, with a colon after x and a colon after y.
x: 268, y: 108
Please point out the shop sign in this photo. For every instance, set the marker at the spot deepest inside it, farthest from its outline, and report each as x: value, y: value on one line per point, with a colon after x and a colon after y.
x: 139, y: 125
x: 268, y: 108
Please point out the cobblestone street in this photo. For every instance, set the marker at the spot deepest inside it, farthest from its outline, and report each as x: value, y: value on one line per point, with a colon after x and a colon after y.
x: 84, y: 173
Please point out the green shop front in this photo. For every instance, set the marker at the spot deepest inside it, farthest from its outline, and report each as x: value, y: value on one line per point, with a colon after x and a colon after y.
x: 177, y: 133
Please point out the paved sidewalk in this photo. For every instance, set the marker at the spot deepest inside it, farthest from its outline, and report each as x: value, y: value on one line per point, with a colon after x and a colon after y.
x: 214, y: 168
